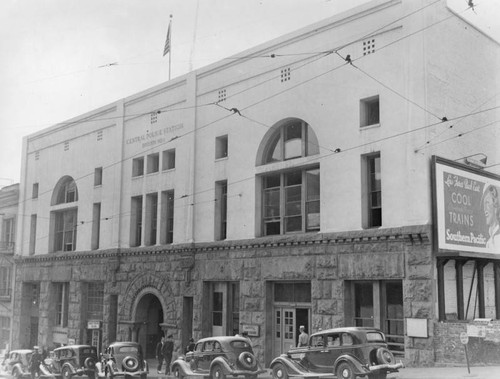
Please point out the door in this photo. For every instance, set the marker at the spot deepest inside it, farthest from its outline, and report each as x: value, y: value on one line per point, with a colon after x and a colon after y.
x: 284, y: 330
x: 363, y: 304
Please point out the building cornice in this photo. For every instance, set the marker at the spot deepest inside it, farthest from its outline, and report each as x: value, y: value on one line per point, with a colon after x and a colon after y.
x: 410, y: 235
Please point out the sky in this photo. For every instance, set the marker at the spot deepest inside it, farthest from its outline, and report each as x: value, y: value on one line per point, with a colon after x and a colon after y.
x: 63, y: 58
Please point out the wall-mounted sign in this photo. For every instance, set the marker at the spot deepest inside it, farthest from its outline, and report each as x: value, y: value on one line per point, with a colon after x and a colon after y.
x: 92, y: 324
x: 416, y: 327
x: 252, y: 330
x: 466, y: 208
x: 476, y: 330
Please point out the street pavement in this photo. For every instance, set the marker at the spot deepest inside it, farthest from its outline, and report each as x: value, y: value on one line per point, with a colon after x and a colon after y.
x: 455, y: 372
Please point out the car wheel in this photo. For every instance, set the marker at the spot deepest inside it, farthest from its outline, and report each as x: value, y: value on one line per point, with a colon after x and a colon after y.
x: 279, y: 371
x: 247, y: 360
x: 66, y: 373
x: 176, y: 372
x: 16, y: 374
x: 218, y: 372
x: 384, y: 356
x: 345, y: 371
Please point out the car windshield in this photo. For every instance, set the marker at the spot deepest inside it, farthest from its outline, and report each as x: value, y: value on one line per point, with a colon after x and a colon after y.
x: 128, y: 349
x: 374, y: 337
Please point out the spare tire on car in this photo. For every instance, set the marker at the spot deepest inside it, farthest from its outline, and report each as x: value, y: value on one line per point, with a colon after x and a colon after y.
x: 247, y: 360
x: 384, y: 356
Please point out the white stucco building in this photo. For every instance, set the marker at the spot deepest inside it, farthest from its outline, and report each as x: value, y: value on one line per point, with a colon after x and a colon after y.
x: 289, y: 186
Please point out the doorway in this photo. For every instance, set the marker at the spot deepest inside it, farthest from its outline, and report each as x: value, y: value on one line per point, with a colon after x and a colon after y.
x: 149, y: 312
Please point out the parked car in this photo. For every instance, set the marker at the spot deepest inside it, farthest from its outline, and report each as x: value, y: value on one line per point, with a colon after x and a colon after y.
x: 71, y: 360
x: 218, y: 357
x: 343, y: 352
x: 16, y: 363
x: 123, y: 359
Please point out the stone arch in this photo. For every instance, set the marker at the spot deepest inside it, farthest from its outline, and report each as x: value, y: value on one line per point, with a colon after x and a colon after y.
x: 145, y: 284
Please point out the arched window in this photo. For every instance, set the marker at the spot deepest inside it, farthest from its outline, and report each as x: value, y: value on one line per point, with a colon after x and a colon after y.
x: 290, y: 195
x: 294, y: 139
x: 63, y: 220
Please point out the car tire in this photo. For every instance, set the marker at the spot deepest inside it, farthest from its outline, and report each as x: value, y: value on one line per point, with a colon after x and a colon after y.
x: 66, y: 373
x: 279, y: 371
x: 129, y: 359
x: 345, y: 371
x: 177, y: 373
x: 217, y: 372
x: 247, y: 360
x: 384, y: 356
x: 16, y: 374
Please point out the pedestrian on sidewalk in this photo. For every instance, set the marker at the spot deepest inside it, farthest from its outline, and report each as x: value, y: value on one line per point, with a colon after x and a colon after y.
x: 159, y: 353
x: 167, y: 350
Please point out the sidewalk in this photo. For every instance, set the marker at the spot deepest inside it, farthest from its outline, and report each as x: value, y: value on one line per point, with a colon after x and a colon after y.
x: 476, y: 372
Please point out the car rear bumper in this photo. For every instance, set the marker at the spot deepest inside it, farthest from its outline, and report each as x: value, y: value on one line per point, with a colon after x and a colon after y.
x: 130, y: 373
x: 387, y: 367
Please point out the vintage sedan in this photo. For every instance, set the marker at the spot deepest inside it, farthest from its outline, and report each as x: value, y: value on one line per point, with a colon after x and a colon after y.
x: 124, y: 359
x: 74, y: 360
x: 219, y: 357
x: 343, y: 352
x: 16, y: 363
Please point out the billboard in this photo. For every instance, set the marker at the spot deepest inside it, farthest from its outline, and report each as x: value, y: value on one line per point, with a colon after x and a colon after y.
x: 466, y: 208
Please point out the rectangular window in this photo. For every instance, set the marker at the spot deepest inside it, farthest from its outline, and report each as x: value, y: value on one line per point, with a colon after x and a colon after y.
x: 136, y: 221
x: 369, y: 111
x: 138, y: 166
x: 217, y: 307
x: 291, y: 202
x: 374, y: 191
x: 8, y: 231
x: 221, y: 147
x: 65, y: 230
x: 96, y: 226
x: 98, y: 176
x: 61, y: 292
x: 95, y: 301
x: 167, y: 217
x: 169, y: 159
x: 220, y: 210
x: 32, y: 246
x: 5, y: 281
x: 153, y: 163
x: 34, y: 193
x: 151, y: 218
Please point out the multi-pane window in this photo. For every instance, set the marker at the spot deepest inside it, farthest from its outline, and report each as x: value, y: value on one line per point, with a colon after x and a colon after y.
x: 369, y: 111
x: 65, y: 230
x: 61, y: 296
x: 169, y: 159
x: 293, y: 140
x: 98, y: 176
x: 291, y: 202
x: 136, y: 221
x: 8, y: 231
x: 95, y: 301
x: 5, y: 281
x: 167, y: 211
x: 221, y: 147
x: 374, y: 181
x: 34, y: 193
x: 221, y: 210
x: 153, y: 163
x: 138, y: 166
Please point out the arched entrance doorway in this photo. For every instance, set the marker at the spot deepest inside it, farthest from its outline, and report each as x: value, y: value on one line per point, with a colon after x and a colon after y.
x: 150, y: 313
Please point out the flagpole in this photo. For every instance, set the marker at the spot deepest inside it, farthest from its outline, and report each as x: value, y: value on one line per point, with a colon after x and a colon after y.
x: 170, y: 52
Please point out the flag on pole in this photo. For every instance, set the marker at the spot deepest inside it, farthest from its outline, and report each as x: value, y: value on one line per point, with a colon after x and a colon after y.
x: 166, y: 49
